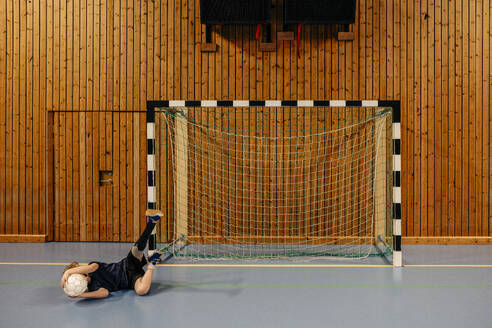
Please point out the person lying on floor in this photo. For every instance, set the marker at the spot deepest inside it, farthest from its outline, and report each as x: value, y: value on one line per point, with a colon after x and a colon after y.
x: 103, y: 278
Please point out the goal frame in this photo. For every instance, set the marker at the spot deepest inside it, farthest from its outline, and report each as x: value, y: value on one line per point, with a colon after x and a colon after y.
x: 394, y: 105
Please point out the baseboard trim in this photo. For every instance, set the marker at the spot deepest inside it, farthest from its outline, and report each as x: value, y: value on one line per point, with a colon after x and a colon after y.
x: 23, y: 238
x: 446, y: 240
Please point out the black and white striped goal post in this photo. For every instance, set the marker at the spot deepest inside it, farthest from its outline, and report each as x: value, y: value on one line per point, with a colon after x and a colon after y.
x: 396, y: 149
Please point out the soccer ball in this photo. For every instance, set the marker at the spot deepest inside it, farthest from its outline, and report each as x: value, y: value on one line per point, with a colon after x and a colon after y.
x: 76, y: 284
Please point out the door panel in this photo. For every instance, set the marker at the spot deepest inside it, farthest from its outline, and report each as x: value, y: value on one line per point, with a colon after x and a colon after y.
x: 98, y: 160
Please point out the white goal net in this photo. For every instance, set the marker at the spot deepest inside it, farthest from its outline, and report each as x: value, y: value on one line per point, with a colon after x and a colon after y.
x: 250, y: 183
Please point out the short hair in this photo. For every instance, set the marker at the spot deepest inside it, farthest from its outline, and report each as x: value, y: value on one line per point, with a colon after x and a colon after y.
x: 71, y: 265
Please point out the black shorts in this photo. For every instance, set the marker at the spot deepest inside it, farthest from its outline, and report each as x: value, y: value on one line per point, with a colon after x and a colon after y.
x: 134, y: 269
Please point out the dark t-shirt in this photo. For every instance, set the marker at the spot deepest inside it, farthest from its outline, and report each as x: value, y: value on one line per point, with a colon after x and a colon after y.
x: 111, y: 276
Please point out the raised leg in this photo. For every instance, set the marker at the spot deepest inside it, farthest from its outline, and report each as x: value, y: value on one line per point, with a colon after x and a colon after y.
x: 139, y: 247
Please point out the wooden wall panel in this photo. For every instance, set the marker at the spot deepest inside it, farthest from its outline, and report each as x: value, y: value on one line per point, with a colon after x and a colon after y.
x: 98, y: 55
x: 3, y: 114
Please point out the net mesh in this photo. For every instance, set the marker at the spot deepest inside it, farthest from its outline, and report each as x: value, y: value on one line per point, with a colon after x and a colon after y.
x: 274, y: 183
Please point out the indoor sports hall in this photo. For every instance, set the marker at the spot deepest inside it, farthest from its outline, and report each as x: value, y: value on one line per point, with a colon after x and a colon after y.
x: 231, y: 163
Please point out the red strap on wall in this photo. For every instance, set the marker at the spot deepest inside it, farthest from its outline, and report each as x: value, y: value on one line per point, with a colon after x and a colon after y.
x: 258, y: 31
x: 299, y: 40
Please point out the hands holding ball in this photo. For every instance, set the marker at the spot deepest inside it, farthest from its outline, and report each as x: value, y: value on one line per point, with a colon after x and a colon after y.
x: 74, y: 284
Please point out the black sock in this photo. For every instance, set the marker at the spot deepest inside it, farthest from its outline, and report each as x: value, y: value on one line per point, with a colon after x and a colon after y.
x: 142, y: 241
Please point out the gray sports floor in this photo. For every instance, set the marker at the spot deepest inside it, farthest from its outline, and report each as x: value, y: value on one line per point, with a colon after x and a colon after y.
x: 440, y: 286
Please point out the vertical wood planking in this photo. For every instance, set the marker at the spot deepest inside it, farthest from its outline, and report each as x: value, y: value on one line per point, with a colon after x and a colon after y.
x: 72, y: 190
x: 474, y: 167
x: 475, y: 78
x: 3, y: 114
x: 108, y: 103
x: 423, y: 19
x: 129, y: 119
x: 170, y: 75
x: 50, y: 131
x: 22, y: 120
x: 57, y: 170
x: 91, y: 178
x: 106, y: 128
x: 451, y: 147
x: 43, y: 144
x: 15, y: 121
x: 100, y: 105
x: 407, y: 115
x: 91, y: 54
x: 480, y: 149
x: 29, y: 124
x: 99, y: 215
x: 83, y: 186
x: 133, y: 101
x: 438, y: 169
x: 117, y: 186
x: 361, y: 52
x: 369, y: 35
x: 459, y: 92
x: 430, y: 118
x: 141, y: 49
x: 107, y: 87
x: 487, y: 121
x: 377, y: 51
x: 489, y: 134
x: 133, y: 190
x: 417, y: 95
x: 50, y: 177
x: 9, y: 117
x: 441, y: 228
x: 468, y: 108
x: 60, y: 66
x: 122, y: 130
x: 76, y: 121
x: 136, y: 130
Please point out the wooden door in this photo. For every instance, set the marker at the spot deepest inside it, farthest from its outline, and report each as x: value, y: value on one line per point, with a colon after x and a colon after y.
x: 97, y: 165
